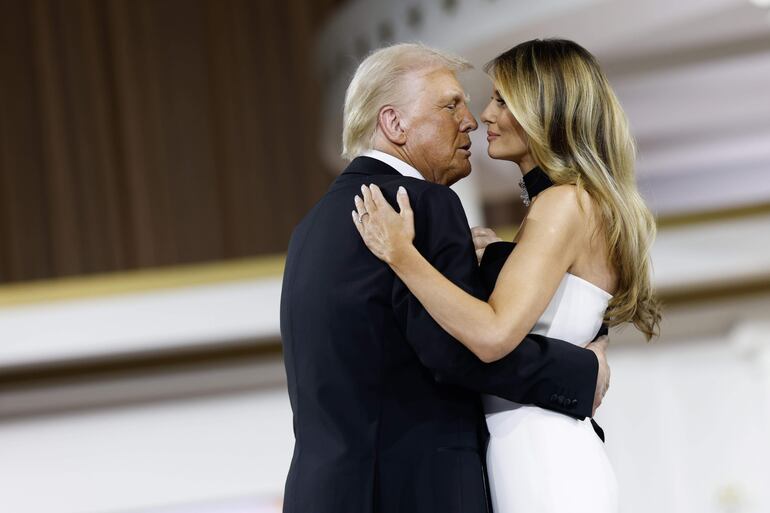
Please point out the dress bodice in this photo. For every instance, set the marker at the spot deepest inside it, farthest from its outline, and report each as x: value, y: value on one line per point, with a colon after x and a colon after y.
x: 574, y: 314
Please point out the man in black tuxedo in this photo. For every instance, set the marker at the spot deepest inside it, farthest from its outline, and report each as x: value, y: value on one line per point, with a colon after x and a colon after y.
x: 387, y: 413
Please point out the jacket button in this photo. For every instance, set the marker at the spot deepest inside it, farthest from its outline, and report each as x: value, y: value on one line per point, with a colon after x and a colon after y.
x: 554, y: 398
x: 573, y: 404
x: 561, y: 399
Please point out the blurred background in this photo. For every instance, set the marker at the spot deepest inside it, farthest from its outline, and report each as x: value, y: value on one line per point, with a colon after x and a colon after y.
x: 155, y: 156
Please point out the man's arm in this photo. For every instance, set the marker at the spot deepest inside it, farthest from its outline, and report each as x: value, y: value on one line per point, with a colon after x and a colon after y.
x: 547, y: 372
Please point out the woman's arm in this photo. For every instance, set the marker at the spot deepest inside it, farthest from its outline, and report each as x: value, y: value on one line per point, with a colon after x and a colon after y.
x: 545, y: 251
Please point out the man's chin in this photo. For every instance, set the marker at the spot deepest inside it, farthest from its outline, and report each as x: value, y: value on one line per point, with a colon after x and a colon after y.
x: 459, y: 174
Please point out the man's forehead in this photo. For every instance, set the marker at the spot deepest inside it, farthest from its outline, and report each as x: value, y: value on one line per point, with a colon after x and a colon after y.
x: 442, y: 81
x: 440, y: 74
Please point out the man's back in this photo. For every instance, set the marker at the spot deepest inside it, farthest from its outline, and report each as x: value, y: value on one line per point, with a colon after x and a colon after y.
x: 374, y: 430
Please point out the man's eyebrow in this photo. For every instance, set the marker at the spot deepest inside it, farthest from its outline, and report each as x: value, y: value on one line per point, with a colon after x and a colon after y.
x: 457, y: 96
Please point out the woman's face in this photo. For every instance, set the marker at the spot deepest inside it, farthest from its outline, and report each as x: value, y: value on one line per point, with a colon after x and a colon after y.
x: 506, y: 138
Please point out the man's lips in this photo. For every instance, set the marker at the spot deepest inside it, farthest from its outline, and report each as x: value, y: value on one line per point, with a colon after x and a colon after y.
x: 466, y: 148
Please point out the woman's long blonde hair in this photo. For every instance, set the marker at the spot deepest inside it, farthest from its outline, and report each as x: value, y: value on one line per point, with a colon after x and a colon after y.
x: 578, y: 134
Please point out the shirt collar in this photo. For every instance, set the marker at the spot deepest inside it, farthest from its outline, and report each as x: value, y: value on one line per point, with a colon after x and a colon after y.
x: 394, y: 162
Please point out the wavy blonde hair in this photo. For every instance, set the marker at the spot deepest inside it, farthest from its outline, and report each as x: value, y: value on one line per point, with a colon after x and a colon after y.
x: 578, y: 134
x: 378, y: 82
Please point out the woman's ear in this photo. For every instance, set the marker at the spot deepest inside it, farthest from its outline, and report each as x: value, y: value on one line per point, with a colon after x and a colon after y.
x: 391, y: 124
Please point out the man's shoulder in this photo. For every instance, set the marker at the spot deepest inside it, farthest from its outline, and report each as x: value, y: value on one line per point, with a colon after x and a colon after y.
x: 431, y: 193
x: 438, y: 214
x: 419, y: 191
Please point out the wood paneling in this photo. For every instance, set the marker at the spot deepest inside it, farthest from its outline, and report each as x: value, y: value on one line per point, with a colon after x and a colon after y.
x: 144, y: 133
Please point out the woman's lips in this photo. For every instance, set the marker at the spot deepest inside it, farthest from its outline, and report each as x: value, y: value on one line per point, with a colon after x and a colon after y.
x: 492, y: 135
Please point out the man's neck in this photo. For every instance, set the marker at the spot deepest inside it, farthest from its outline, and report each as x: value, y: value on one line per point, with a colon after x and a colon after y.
x: 396, y: 152
x: 395, y: 161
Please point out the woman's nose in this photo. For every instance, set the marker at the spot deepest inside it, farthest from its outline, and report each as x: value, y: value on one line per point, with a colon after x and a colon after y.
x: 486, y: 116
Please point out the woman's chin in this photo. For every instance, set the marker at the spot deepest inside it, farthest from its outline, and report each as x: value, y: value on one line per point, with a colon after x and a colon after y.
x: 498, y: 155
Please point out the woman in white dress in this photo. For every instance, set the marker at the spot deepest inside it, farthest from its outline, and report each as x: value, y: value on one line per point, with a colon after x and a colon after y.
x: 581, y: 258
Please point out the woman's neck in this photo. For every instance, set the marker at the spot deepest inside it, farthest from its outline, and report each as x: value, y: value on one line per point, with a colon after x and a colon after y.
x: 526, y: 164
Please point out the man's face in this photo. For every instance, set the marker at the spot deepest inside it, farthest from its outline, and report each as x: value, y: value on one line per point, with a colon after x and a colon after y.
x: 437, y: 126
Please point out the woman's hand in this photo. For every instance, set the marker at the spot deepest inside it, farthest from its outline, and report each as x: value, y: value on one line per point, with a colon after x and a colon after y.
x: 483, y: 237
x: 387, y: 233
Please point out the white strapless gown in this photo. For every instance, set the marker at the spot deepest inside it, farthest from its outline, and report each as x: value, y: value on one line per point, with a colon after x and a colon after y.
x: 545, y: 462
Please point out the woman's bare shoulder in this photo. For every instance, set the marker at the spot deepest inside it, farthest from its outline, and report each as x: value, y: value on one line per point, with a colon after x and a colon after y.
x: 576, y: 211
x: 563, y: 202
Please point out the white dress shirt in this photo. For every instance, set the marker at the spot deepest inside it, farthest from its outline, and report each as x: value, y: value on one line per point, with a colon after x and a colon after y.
x: 394, y: 162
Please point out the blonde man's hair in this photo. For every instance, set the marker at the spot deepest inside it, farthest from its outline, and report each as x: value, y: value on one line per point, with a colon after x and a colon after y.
x: 378, y: 83
x: 578, y: 133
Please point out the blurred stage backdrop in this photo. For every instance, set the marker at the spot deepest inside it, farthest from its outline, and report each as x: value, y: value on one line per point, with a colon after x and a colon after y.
x: 155, y: 155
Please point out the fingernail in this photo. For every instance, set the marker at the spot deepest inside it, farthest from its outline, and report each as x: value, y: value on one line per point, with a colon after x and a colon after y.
x: 401, y: 189
x: 363, y: 187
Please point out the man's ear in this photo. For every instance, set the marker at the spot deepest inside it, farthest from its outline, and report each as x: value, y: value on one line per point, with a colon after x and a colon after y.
x: 391, y: 124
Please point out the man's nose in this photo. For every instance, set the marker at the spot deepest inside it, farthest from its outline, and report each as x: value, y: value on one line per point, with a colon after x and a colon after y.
x: 469, y: 123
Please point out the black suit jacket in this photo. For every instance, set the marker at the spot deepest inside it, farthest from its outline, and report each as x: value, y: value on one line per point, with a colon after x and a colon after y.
x: 387, y: 414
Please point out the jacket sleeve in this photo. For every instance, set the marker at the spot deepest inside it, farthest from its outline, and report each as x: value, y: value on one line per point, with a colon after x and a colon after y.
x: 547, y: 372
